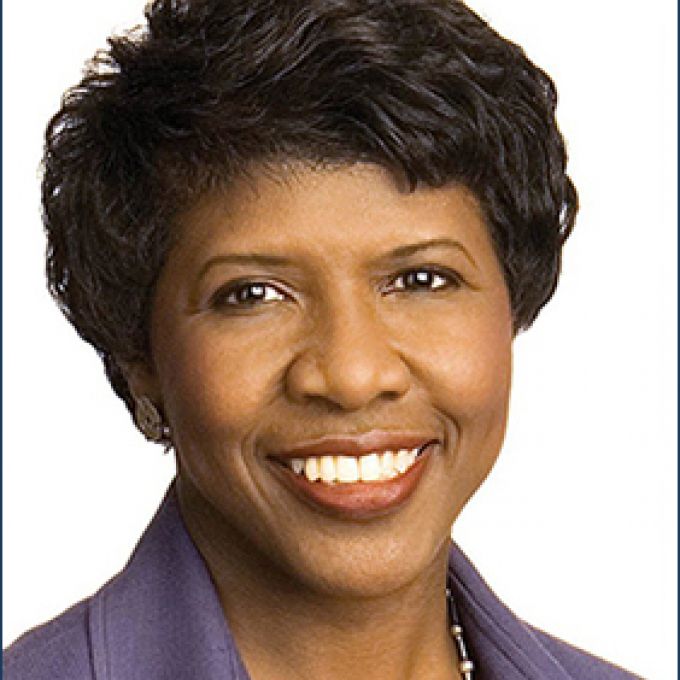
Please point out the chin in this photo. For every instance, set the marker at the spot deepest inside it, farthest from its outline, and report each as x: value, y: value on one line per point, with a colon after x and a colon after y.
x: 370, y: 561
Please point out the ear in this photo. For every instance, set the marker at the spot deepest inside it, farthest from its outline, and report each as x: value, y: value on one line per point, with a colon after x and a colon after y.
x: 142, y: 380
x: 147, y: 410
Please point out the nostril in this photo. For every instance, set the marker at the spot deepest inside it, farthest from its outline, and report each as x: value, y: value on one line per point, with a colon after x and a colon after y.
x: 349, y: 370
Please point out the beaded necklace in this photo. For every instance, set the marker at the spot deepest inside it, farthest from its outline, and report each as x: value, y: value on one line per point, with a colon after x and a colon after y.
x: 465, y: 664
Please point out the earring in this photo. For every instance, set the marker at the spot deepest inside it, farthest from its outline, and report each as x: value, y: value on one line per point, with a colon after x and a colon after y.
x: 149, y: 420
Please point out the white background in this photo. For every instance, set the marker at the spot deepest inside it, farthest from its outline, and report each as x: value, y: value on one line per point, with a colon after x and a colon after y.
x: 576, y: 527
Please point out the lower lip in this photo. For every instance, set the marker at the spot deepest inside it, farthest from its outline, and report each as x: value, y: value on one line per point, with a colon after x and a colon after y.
x: 360, y: 500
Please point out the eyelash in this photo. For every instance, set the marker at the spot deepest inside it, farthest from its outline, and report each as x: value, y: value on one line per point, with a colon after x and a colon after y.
x: 225, y: 296
x: 449, y: 279
x: 228, y: 297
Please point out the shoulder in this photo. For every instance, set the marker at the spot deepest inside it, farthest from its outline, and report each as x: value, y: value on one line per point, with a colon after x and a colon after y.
x: 578, y: 663
x: 57, y: 650
x: 507, y: 647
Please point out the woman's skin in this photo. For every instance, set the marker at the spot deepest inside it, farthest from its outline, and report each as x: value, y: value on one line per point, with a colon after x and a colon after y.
x: 335, y: 338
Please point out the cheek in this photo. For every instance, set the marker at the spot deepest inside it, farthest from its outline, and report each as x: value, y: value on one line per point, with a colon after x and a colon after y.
x: 467, y: 370
x: 216, y: 384
x: 465, y: 359
x: 474, y: 380
x: 217, y: 388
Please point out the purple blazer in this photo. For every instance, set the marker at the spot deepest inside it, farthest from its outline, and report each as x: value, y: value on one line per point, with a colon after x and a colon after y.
x: 160, y: 619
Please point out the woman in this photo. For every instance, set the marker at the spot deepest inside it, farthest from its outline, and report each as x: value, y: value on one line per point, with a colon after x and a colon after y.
x: 302, y: 237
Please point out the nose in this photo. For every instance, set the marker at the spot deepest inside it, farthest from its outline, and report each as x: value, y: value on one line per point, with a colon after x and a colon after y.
x: 348, y: 360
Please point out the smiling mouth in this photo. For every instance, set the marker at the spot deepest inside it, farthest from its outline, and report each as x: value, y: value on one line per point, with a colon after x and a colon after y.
x: 360, y: 486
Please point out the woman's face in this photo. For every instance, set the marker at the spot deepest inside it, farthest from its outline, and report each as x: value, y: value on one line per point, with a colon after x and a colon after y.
x: 322, y: 313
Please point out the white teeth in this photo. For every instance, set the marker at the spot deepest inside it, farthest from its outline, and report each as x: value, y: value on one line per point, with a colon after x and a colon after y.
x: 350, y: 469
x: 369, y: 467
x: 402, y: 460
x: 346, y: 469
x: 312, y: 469
x: 387, y: 469
x: 327, y: 469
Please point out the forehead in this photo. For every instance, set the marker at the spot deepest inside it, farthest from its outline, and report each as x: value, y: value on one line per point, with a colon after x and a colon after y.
x: 358, y: 210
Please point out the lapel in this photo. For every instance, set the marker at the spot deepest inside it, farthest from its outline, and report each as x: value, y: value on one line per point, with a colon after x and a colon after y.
x: 161, y: 619
x: 502, y: 646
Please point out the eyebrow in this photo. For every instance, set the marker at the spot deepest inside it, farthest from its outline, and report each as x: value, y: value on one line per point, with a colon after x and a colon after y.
x: 407, y: 251
x: 246, y: 258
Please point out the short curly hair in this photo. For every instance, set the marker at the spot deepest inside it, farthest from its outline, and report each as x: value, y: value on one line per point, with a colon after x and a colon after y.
x: 424, y: 88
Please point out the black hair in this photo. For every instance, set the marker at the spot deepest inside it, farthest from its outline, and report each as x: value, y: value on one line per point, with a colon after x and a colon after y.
x: 207, y: 88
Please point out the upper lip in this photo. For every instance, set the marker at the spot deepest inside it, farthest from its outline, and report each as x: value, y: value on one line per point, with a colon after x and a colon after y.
x: 357, y: 445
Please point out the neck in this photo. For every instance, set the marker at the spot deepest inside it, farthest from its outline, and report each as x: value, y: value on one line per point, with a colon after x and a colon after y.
x: 286, y: 630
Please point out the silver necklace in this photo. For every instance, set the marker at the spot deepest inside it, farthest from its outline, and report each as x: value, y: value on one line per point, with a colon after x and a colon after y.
x: 465, y: 664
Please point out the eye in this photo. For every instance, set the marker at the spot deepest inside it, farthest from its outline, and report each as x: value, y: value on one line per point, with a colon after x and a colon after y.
x: 425, y: 279
x: 247, y: 294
